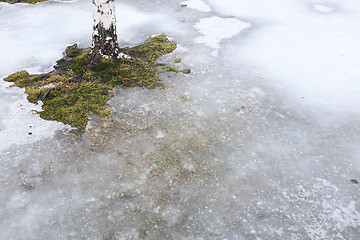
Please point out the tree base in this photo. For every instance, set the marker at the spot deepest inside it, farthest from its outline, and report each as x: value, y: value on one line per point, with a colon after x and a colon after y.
x: 95, y: 57
x: 75, y: 88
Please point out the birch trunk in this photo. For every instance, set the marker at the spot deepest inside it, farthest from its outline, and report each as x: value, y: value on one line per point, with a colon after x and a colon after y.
x: 104, y: 39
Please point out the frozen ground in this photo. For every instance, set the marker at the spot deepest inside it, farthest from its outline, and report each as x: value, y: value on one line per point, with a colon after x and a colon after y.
x: 260, y: 141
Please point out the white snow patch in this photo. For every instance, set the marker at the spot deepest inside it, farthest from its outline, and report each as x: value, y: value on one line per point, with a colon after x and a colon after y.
x: 215, y: 29
x: 123, y: 55
x: 312, y: 56
x: 131, y: 20
x: 189, y: 166
x: 160, y: 134
x: 199, y: 5
x: 322, y: 8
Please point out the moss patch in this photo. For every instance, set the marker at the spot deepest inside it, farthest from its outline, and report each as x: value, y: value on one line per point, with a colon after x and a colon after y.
x: 22, y: 1
x: 74, y: 89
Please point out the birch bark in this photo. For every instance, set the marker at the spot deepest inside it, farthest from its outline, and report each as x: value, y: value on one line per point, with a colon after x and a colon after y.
x: 104, y: 39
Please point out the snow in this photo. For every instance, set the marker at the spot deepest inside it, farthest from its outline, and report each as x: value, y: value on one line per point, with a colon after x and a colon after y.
x: 260, y: 141
x: 322, y: 8
x: 199, y: 5
x: 325, y: 50
x: 215, y: 29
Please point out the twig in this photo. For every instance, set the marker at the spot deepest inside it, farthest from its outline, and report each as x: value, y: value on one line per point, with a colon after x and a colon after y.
x: 56, y: 87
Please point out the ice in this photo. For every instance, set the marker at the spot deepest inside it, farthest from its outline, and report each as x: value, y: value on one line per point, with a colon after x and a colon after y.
x: 259, y: 141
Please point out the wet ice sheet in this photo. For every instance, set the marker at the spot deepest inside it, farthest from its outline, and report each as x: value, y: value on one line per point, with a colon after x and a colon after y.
x: 231, y: 151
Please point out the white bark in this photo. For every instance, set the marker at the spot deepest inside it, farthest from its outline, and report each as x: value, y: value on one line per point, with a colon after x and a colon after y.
x: 104, y: 13
x: 104, y: 40
x: 104, y: 29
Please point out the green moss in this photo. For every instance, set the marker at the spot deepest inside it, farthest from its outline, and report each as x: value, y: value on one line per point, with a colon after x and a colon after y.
x: 73, y: 51
x: 73, y: 102
x: 34, y: 94
x: 17, y: 76
x: 74, y: 89
x: 155, y: 47
x: 22, y: 1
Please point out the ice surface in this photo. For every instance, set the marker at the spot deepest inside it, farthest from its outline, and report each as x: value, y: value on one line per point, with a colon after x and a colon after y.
x: 260, y: 142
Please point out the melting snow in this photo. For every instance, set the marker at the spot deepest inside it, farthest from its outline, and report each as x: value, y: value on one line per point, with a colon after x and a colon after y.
x: 322, y: 8
x: 260, y: 142
x: 215, y: 29
x: 199, y: 5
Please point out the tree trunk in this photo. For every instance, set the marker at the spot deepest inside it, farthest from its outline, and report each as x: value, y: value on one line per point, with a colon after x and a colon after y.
x: 104, y: 39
